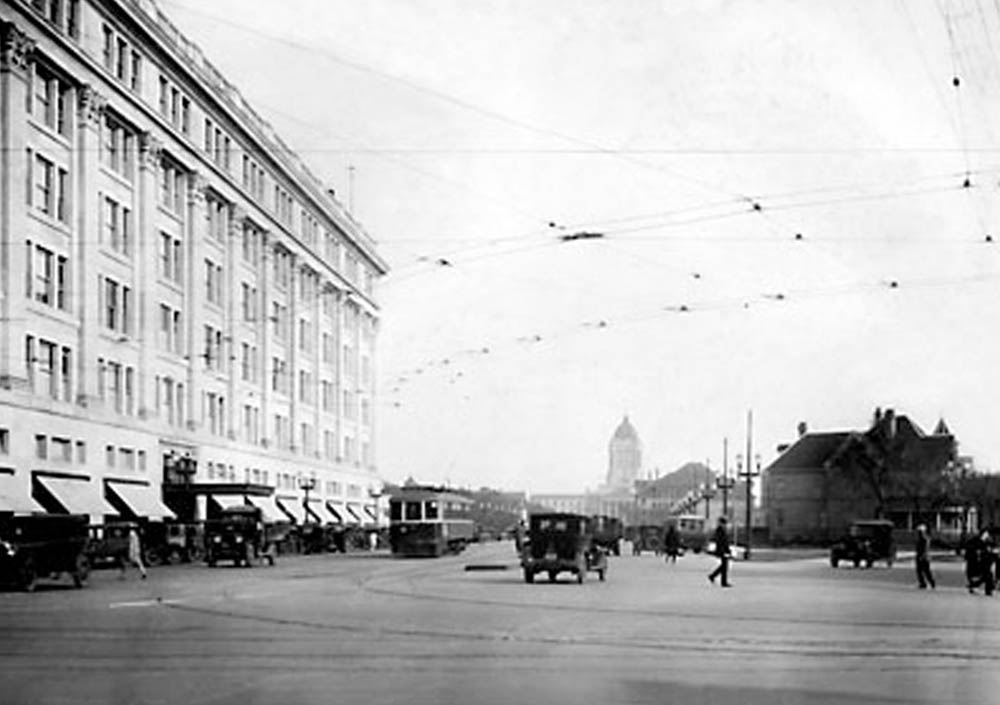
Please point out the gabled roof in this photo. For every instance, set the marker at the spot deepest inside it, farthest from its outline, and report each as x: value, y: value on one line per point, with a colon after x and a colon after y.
x: 811, y: 450
x: 942, y: 428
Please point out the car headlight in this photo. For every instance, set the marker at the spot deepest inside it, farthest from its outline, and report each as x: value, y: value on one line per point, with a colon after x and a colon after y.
x: 216, y: 539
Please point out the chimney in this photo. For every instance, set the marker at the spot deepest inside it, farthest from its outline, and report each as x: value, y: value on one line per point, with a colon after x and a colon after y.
x: 889, y: 419
x: 803, y: 428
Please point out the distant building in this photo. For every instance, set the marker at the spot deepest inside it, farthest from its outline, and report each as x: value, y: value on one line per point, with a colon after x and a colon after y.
x: 624, y: 459
x: 616, y: 497
x: 814, y: 489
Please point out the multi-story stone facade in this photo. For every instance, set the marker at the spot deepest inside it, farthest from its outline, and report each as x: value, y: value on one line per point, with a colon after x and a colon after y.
x: 182, y: 301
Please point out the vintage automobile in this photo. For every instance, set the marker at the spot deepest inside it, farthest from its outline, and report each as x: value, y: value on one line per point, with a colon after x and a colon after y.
x: 238, y: 535
x: 608, y: 533
x: 561, y: 542
x: 647, y: 537
x: 866, y: 541
x: 43, y: 546
x: 172, y: 542
x: 107, y: 544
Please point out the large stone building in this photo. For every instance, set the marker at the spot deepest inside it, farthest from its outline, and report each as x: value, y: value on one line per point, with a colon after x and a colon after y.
x: 183, y: 306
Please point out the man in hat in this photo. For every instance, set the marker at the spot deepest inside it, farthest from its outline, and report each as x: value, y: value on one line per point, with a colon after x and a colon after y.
x: 722, y: 552
x: 923, y: 559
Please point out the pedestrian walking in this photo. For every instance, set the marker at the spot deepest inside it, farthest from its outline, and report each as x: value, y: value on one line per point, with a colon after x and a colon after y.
x: 134, y: 555
x: 923, y: 559
x: 672, y: 543
x: 722, y: 553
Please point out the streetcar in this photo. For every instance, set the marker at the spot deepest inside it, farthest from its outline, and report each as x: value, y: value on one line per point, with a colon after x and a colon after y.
x: 428, y: 521
x: 691, y: 531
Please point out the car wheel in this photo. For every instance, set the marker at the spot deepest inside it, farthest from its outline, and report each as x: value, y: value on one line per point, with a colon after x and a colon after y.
x: 529, y: 577
x: 151, y: 557
x: 174, y: 557
x: 248, y: 555
x: 81, y: 571
x: 834, y: 561
x: 579, y: 576
x: 600, y: 575
x: 552, y: 576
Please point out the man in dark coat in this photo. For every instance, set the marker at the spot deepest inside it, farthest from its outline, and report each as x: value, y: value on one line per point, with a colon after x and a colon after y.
x: 923, y: 559
x: 722, y: 552
x: 979, y: 562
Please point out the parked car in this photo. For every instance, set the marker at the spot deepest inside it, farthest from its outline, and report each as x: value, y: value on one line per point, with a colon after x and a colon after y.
x: 866, y: 542
x: 238, y: 536
x: 43, y: 546
x: 172, y: 542
x: 107, y: 544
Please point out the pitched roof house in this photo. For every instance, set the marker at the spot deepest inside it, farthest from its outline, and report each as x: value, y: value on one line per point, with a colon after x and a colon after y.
x: 822, y: 481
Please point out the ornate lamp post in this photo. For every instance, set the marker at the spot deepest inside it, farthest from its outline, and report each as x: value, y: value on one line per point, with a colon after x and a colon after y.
x: 725, y: 483
x: 306, y: 484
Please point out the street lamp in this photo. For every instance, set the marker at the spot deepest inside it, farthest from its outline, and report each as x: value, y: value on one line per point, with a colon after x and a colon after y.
x: 374, y: 494
x: 306, y: 484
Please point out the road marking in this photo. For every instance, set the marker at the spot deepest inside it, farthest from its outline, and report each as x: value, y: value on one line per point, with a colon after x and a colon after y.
x: 142, y: 603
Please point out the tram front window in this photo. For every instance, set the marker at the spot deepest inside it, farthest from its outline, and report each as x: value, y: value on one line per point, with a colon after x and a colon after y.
x: 431, y: 510
x: 413, y: 511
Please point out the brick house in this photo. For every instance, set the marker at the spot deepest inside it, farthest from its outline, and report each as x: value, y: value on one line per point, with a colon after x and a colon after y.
x: 814, y: 488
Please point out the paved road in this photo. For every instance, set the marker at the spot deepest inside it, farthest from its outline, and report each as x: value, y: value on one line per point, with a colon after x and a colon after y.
x: 371, y: 629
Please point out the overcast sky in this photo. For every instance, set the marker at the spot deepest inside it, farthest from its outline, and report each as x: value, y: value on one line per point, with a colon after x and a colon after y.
x: 780, y: 186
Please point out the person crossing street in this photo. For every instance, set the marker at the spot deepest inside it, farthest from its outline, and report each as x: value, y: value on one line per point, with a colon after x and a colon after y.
x: 722, y: 553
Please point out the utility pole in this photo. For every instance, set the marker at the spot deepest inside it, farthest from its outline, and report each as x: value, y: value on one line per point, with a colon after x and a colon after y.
x: 748, y: 477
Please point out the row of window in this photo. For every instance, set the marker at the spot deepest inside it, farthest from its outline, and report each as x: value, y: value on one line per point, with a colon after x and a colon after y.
x: 282, y: 480
x: 49, y: 101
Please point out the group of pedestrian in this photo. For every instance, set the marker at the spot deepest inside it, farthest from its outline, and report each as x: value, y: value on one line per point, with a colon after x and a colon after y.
x: 981, y: 563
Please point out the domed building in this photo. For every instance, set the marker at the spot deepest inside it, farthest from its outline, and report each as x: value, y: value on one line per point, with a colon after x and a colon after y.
x: 624, y: 458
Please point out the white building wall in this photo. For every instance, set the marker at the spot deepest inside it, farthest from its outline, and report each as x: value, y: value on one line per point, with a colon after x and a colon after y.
x: 204, y: 415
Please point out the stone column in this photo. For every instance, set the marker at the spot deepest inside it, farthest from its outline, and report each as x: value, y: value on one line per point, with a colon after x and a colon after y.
x: 150, y: 149
x: 338, y: 369
x: 317, y: 364
x: 236, y: 217
x: 194, y: 296
x: 15, y: 50
x: 90, y: 111
x: 293, y: 353
x: 264, y: 338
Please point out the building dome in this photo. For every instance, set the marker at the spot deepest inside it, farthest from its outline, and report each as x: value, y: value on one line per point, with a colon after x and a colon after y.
x: 624, y: 458
x: 625, y: 431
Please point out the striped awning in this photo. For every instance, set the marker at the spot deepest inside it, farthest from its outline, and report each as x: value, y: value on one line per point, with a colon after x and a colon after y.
x: 270, y: 512
x: 354, y: 516
x: 336, y: 512
x: 141, y: 500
